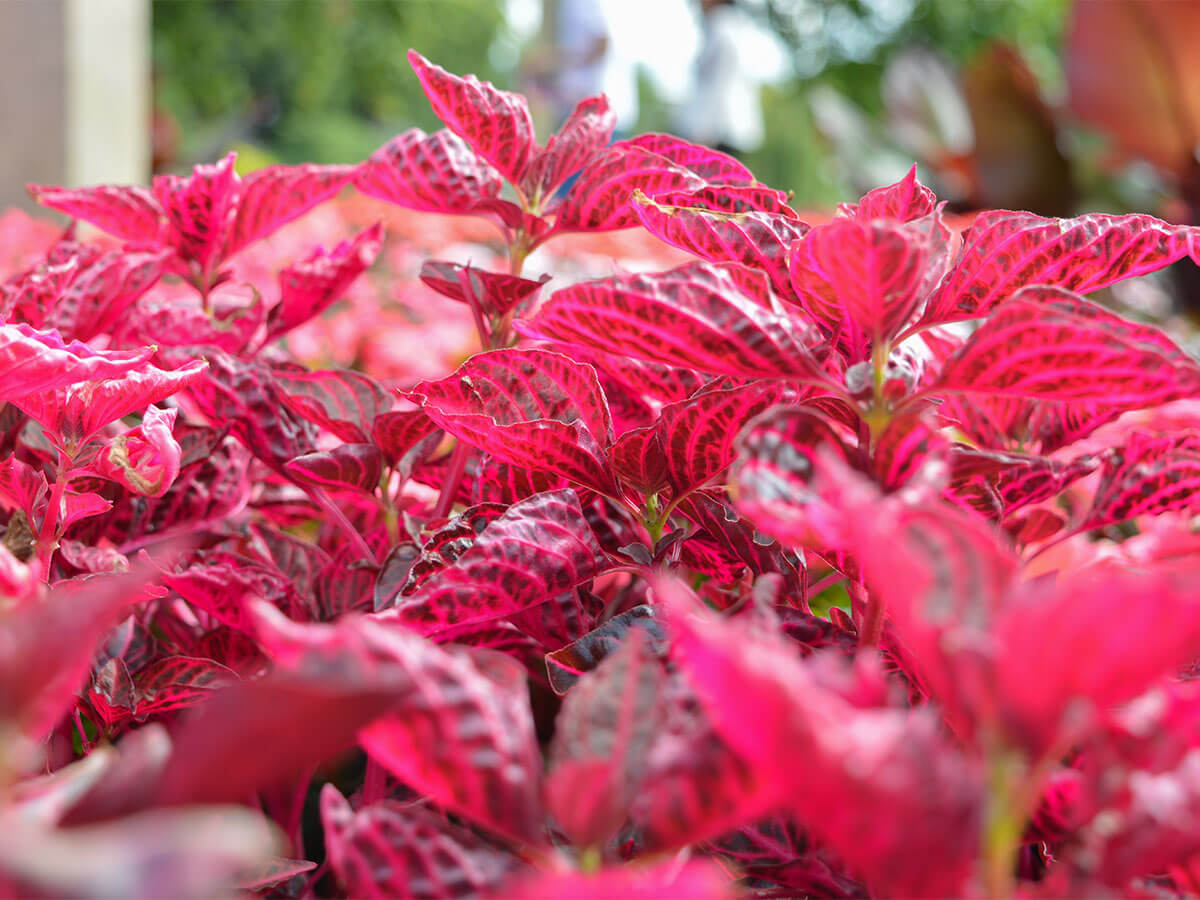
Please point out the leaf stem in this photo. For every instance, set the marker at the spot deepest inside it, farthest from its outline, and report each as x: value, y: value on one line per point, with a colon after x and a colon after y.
x: 454, y: 477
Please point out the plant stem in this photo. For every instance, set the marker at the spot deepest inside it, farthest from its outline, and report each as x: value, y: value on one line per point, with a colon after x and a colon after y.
x: 1003, y: 823
x: 454, y: 477
x: 48, y: 536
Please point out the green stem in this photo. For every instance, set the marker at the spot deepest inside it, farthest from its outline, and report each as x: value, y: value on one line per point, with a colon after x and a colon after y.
x: 1004, y: 823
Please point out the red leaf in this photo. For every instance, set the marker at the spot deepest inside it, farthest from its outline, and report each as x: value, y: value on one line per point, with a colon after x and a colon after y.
x: 234, y: 316
x: 531, y: 408
x: 434, y: 173
x: 1150, y: 475
x: 145, y: 459
x: 903, y: 201
x: 495, y: 123
x: 495, y: 293
x: 308, y: 288
x: 33, y: 361
x: 407, y: 852
x: 600, y: 199
x: 713, y: 166
x: 398, y: 434
x: 601, y: 737
x: 694, y: 316
x: 868, y: 278
x: 201, y: 208
x: 74, y: 414
x: 539, y: 548
x: 174, y: 682
x: 130, y: 213
x: 639, y: 460
x: 697, y: 435
x: 342, y: 401
x: 582, y: 137
x: 694, y: 881
x: 1004, y: 251
x: 274, y: 196
x: 882, y: 787
x: 355, y: 467
x: 1048, y: 343
x: 716, y: 224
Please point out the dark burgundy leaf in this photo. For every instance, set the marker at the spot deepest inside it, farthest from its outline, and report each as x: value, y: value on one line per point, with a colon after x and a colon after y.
x: 342, y: 401
x: 356, y: 467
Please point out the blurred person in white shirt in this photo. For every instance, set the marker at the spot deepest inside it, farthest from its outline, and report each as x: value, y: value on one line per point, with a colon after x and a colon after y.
x: 723, y: 109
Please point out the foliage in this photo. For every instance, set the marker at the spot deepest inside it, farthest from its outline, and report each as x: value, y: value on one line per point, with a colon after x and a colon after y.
x: 541, y: 626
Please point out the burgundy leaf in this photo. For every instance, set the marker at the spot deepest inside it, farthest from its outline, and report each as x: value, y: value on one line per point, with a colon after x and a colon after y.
x: 496, y: 293
x: 495, y: 123
x: 568, y: 664
x: 178, y: 681
x: 435, y: 173
x: 640, y: 461
x: 718, y: 225
x: 342, y: 401
x: 309, y: 287
x: 869, y: 275
x: 403, y: 433
x: 694, y: 316
x: 582, y: 137
x: 736, y: 539
x: 1150, y: 475
x: 903, y: 201
x: 530, y: 408
x: 446, y: 544
x: 201, y: 208
x: 346, y: 467
x: 600, y: 200
x: 711, y: 165
x: 408, y: 852
x: 274, y: 196
x: 130, y: 213
x: 697, y: 435
x: 539, y: 548
x: 1048, y: 343
x: 1005, y: 251
x: 601, y: 738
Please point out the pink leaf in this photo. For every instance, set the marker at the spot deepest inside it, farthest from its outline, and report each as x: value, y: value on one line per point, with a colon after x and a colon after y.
x: 1004, y: 251
x: 600, y: 200
x: 73, y: 415
x: 1048, y: 343
x: 145, y: 459
x: 130, y: 213
x: 356, y: 467
x: 342, y: 401
x: 694, y: 316
x: 495, y: 123
x: 1150, y: 475
x: 869, y: 275
x: 716, y: 224
x: 694, y: 881
x: 32, y: 361
x: 713, y: 166
x: 201, y: 208
x: 434, y: 173
x: 495, y: 293
x: 234, y: 316
x: 402, y: 433
x: 601, y: 738
x: 274, y: 196
x: 309, y: 287
x: 530, y: 408
x: 903, y: 201
x: 546, y: 546
x: 582, y: 137
x: 408, y: 852
x: 639, y: 460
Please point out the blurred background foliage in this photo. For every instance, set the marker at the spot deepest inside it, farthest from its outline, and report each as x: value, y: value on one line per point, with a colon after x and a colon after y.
x: 975, y: 90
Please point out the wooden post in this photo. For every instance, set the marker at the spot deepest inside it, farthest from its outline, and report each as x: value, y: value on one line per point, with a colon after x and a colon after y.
x: 74, y: 93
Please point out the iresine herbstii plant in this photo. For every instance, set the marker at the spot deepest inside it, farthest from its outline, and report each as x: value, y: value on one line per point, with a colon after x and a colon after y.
x: 565, y: 622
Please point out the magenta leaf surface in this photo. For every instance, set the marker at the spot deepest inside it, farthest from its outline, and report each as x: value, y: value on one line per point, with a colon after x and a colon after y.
x: 272, y: 197
x: 1047, y: 343
x: 581, y: 139
x: 496, y: 293
x: 600, y: 200
x: 406, y: 851
x: 903, y: 201
x: 342, y: 401
x: 356, y: 467
x: 32, y: 361
x: 547, y: 548
x: 695, y: 316
x: 309, y: 287
x: 531, y: 408
x: 1005, y: 251
x: 130, y: 213
x: 495, y: 123
x: 711, y: 165
x: 1151, y: 474
x: 434, y: 173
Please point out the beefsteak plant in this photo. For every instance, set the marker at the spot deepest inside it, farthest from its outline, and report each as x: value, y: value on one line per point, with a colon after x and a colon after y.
x: 845, y: 560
